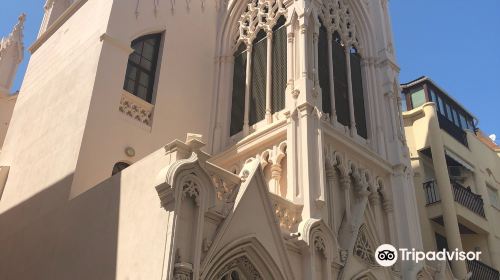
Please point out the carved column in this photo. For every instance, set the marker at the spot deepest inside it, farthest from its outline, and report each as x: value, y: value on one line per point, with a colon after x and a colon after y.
x: 331, y: 79
x: 345, y: 184
x: 349, y: 89
x: 375, y: 202
x: 331, y: 177
x: 246, y: 128
x: 303, y: 47
x: 275, y: 178
x: 269, y: 76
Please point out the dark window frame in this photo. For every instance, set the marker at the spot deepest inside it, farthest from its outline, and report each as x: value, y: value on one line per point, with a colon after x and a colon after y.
x: 140, y: 69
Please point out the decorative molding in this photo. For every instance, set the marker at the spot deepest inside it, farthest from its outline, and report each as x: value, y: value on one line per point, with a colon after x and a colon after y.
x: 319, y: 245
x: 259, y: 15
x: 136, y: 108
x: 183, y: 271
x: 191, y: 189
x: 288, y: 215
x: 243, y: 264
x: 336, y: 16
x: 58, y: 23
x: 105, y: 37
x: 15, y: 39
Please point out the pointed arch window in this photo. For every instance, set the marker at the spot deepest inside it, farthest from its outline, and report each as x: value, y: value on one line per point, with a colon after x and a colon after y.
x: 141, y: 67
x: 358, y: 94
x: 279, y: 67
x: 340, y: 72
x: 323, y: 69
x: 238, y: 95
x: 340, y: 80
x: 258, y: 84
x: 260, y: 68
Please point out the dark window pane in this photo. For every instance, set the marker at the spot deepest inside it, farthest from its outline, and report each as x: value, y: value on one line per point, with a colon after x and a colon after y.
x: 279, y: 66
x: 148, y: 51
x: 146, y: 64
x: 131, y: 72
x: 142, y: 92
x: 142, y: 66
x: 323, y: 70
x: 129, y: 85
x: 455, y: 117
x: 463, y: 121
x: 358, y: 95
x: 258, y: 84
x: 448, y: 113
x: 441, y: 106
x: 404, y: 106
x: 340, y: 81
x: 144, y: 79
x: 238, y: 95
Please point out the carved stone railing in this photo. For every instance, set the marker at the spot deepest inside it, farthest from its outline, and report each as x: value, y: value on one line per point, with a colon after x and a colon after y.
x: 288, y: 214
x: 136, y: 108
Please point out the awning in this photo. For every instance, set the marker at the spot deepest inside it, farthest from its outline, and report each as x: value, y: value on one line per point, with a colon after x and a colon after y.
x: 458, y: 159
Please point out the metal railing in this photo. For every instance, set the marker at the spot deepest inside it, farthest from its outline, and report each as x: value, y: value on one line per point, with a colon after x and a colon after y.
x: 461, y: 194
x: 431, y: 192
x: 467, y: 198
x: 481, y: 271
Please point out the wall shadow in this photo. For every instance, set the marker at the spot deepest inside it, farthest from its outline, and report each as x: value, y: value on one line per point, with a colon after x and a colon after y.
x: 49, y: 236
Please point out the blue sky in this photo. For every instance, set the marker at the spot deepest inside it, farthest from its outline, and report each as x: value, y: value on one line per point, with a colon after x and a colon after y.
x: 455, y: 42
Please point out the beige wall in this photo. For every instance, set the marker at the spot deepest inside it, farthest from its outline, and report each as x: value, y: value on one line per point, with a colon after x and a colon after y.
x: 482, y: 159
x: 183, y: 90
x: 6, y: 108
x: 93, y: 236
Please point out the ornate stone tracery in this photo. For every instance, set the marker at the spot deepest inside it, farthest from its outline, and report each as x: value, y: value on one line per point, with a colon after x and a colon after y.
x: 191, y: 189
x: 259, y: 15
x: 244, y: 264
x: 336, y: 16
x: 363, y: 248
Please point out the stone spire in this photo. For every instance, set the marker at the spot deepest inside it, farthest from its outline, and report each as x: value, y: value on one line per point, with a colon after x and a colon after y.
x: 11, y: 55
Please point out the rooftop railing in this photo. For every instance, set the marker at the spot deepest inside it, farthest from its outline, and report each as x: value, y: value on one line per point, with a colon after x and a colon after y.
x: 461, y: 194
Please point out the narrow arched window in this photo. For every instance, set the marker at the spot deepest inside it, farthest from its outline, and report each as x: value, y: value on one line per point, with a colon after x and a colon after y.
x: 323, y: 69
x: 238, y: 95
x: 141, y: 68
x: 279, y: 68
x: 358, y: 94
x: 259, y: 73
x: 340, y: 80
x: 119, y: 166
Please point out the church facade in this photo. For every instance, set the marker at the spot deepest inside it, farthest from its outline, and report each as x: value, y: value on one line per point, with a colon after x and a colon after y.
x: 294, y: 166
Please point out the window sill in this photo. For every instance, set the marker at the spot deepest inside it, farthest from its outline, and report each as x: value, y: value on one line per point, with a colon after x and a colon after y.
x: 258, y: 128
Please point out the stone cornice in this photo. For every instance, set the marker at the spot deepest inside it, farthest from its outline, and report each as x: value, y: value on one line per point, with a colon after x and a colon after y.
x: 58, y: 23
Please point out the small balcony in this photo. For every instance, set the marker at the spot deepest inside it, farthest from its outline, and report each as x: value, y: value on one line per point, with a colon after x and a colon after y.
x: 481, y: 271
x: 464, y: 196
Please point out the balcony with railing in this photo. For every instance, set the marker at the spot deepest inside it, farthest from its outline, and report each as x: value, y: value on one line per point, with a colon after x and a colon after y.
x: 462, y: 195
x: 481, y: 271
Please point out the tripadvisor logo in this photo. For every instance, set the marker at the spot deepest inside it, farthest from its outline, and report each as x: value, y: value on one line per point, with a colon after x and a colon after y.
x: 388, y: 255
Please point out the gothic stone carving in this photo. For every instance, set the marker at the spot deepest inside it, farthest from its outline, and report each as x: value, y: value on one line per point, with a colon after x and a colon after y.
x: 244, y: 264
